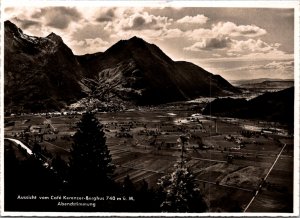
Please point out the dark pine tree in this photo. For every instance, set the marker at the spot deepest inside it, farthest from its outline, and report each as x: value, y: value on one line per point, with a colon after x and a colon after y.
x: 60, y: 171
x: 91, y: 167
x: 147, y: 198
x: 128, y: 187
x: 128, y: 190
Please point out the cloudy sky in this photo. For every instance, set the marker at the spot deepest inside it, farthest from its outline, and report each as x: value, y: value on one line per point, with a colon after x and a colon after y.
x: 237, y: 43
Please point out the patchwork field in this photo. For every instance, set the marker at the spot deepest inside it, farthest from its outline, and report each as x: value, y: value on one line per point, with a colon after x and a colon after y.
x: 229, y: 161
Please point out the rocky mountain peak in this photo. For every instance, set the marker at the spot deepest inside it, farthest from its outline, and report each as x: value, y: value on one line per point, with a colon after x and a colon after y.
x: 54, y: 37
x: 128, y: 45
x: 12, y: 28
x: 136, y: 39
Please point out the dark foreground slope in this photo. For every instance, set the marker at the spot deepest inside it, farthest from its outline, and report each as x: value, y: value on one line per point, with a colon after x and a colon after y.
x: 274, y: 106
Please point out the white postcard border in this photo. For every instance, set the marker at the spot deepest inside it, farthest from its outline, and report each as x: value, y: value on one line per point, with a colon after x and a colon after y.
x: 221, y: 3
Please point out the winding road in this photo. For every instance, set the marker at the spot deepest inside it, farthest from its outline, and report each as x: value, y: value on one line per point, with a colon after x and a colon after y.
x: 18, y: 142
x: 264, y: 179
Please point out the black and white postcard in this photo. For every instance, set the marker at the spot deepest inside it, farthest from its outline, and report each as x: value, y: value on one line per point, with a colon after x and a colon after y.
x: 150, y: 108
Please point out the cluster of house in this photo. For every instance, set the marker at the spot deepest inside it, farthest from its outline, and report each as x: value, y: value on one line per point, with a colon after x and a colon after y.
x: 237, y: 140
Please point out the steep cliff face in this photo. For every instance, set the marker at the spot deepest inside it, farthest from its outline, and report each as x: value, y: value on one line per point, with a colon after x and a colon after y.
x: 40, y: 73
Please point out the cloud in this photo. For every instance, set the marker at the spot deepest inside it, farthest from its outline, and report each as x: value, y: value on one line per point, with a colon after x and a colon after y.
x: 222, y: 29
x: 274, y: 66
x: 58, y: 17
x: 280, y: 65
x: 233, y: 46
x: 90, y: 31
x: 199, y: 19
x: 231, y: 29
x: 89, y: 46
x: 130, y: 22
x: 210, y: 44
x: 148, y: 35
x: 172, y: 33
x: 276, y: 55
x: 107, y: 15
x: 216, y: 55
x: 232, y: 54
x: 97, y: 43
x: 199, y: 34
x: 25, y: 24
x: 252, y: 45
x: 270, y: 55
x: 241, y: 49
x: 141, y: 21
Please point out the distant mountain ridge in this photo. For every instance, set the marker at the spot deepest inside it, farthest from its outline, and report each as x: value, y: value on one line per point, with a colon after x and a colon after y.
x: 42, y: 73
x: 274, y: 84
x: 259, y: 80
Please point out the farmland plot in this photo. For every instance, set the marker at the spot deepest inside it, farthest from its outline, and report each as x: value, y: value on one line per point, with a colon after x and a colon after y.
x: 228, y: 166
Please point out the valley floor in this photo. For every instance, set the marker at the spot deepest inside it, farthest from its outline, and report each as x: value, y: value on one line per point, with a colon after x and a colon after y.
x: 231, y: 158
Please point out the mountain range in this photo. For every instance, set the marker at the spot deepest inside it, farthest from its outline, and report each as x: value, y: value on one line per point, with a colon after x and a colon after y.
x: 264, y: 83
x: 275, y: 84
x: 43, y: 74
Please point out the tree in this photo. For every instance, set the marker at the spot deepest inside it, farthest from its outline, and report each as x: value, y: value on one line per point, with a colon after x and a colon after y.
x: 147, y: 199
x: 180, y: 192
x: 128, y: 187
x: 183, y: 141
x: 91, y: 167
x: 36, y: 149
x: 60, y: 171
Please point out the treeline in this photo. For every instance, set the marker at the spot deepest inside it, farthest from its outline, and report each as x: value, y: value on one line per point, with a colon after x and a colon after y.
x: 89, y: 172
